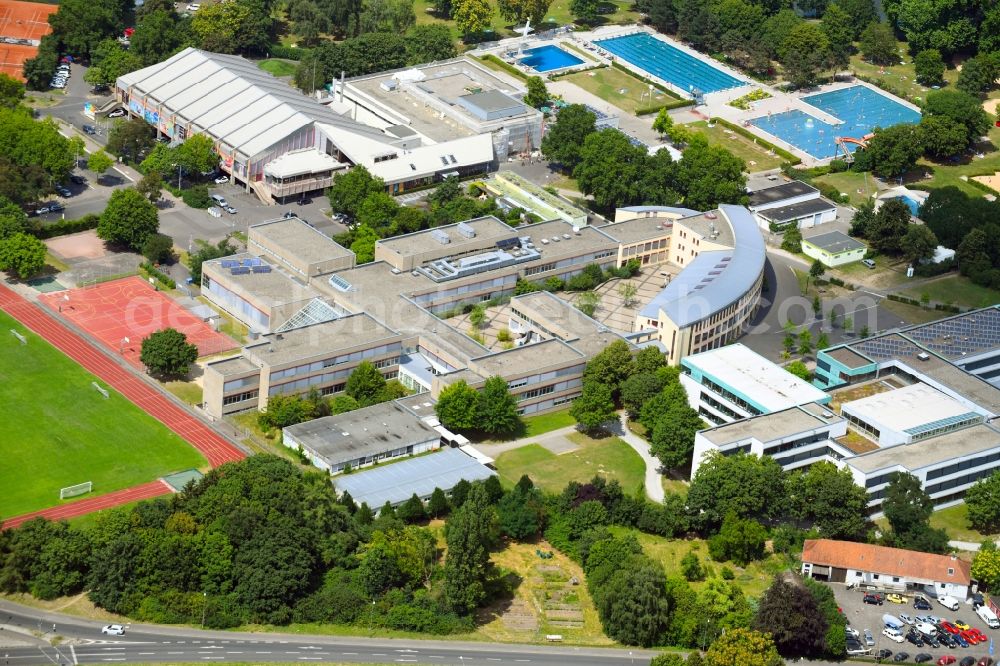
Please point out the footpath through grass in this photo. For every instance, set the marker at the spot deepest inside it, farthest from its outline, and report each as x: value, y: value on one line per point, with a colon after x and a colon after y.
x: 610, y: 457
x: 59, y: 431
x: 756, y: 156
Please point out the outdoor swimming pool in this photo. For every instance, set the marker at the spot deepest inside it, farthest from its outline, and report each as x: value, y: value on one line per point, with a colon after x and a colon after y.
x: 860, y: 108
x: 549, y: 57
x: 669, y: 63
x: 912, y: 204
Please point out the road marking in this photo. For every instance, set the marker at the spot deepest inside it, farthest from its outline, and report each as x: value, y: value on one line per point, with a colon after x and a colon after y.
x: 378, y: 654
x: 72, y: 651
x: 353, y: 654
x: 204, y: 658
x: 116, y: 659
x: 405, y: 660
x: 435, y: 656
x: 146, y: 653
x: 175, y: 653
x: 228, y: 652
x: 492, y: 659
x: 310, y: 658
x: 262, y: 653
x: 115, y: 648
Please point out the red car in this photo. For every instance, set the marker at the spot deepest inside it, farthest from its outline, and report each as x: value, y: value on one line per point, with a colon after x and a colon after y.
x: 972, y: 637
x: 980, y: 636
x: 949, y: 627
x: 945, y: 660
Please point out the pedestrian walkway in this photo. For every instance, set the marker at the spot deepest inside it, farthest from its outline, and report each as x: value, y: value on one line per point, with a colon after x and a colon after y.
x: 654, y: 480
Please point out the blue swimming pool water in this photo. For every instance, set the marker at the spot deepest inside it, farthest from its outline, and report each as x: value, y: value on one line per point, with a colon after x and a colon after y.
x: 549, y: 57
x: 860, y: 108
x: 912, y: 204
x: 669, y: 63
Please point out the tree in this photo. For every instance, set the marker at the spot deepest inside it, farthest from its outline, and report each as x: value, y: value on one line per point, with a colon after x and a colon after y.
x: 390, y: 16
x: 709, y: 175
x: 22, y: 254
x: 672, y: 437
x: 790, y: 614
x: 429, y: 43
x: 878, y: 44
x: 150, y: 186
x: 894, y: 150
x: 791, y: 241
x: 412, y: 510
x: 838, y: 28
x: 437, y: 505
x: 496, y: 408
x: 929, y: 67
x: 885, y: 232
x: 352, y: 187
x: 457, y: 406
x: 611, y: 366
x: 799, y: 369
x: 816, y: 269
x: 962, y: 108
x: 469, y: 535
x: 807, y: 52
x: 918, y: 244
x: 159, y: 34
x: 80, y: 25
x: 128, y: 219
x: 158, y: 248
x: 828, y: 498
x: 132, y: 138
x: 663, y: 123
x: 744, y: 647
x: 477, y: 316
x: 363, y: 245
x: 942, y: 137
x: 628, y: 292
x: 979, y: 74
x: 691, y: 567
x: 594, y: 408
x: 639, y: 388
x: 986, y: 565
x: 197, y: 154
x: 377, y: 211
x: 747, y: 485
x: 521, y: 512
x: 365, y: 384
x: 585, y: 11
x: 588, y: 302
x: 11, y: 91
x: 537, y: 95
x: 983, y: 503
x: 111, y: 60
x: 861, y: 13
x: 241, y: 26
x: 564, y: 140
x: 167, y: 353
x: 471, y: 16
x: 206, y: 252
x: 740, y: 540
x: 610, y: 168
x: 99, y: 162
x: 907, y: 508
x: 668, y: 659
x: 631, y: 603
x: 519, y: 11
x: 823, y: 341
x: 805, y: 342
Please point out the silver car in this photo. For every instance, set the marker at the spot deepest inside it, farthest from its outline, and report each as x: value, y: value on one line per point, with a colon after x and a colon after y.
x: 869, y: 639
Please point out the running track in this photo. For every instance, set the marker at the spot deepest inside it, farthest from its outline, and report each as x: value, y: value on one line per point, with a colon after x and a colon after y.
x: 216, y: 449
x: 91, y: 504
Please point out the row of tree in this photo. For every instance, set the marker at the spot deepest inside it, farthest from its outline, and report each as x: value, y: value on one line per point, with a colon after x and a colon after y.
x: 617, y: 173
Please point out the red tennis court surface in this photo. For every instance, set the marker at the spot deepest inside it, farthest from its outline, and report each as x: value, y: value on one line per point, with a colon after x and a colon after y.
x: 131, y: 308
x: 25, y: 23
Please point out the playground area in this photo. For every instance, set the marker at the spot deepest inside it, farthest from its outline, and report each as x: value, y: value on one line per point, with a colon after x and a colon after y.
x: 22, y: 26
x: 121, y: 313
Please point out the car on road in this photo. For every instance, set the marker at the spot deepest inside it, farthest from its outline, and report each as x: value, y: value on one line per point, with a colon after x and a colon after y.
x: 961, y: 625
x: 50, y: 207
x: 901, y: 656
x: 117, y: 113
x: 906, y: 618
x: 873, y: 599
x: 89, y: 129
x: 63, y: 191
x: 895, y: 598
x: 214, y: 211
x: 230, y: 209
x: 113, y: 629
x: 221, y: 180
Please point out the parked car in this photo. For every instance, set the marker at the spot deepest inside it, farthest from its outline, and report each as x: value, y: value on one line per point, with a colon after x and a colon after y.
x: 63, y: 191
x: 304, y: 200
x: 222, y: 179
x: 906, y: 618
x: 113, y: 630
x: 986, y: 661
x: 89, y: 129
x: 921, y: 603
x: 922, y: 657
x: 214, y: 212
x: 288, y: 215
x: 193, y: 7
x: 893, y: 634
x: 970, y: 637
x: 960, y: 624
x: 949, y: 627
x: 230, y: 209
x: 977, y: 600
x: 980, y: 636
x: 870, y: 263
x: 117, y: 113
x: 951, y: 603
x: 883, y: 654
x: 901, y: 656
x: 873, y: 599
x: 895, y: 598
x: 945, y: 660
x: 851, y: 631
x: 78, y: 180
x: 958, y: 638
x: 967, y: 661
x: 914, y: 637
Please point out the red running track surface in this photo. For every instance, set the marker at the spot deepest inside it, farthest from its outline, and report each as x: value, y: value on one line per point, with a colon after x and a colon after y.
x: 92, y: 504
x: 212, y: 445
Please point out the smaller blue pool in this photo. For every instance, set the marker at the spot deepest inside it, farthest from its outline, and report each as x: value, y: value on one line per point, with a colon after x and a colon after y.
x: 547, y: 58
x: 912, y: 204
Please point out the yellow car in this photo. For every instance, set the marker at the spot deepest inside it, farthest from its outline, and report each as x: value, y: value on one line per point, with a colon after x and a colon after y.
x: 961, y: 625
x: 895, y: 598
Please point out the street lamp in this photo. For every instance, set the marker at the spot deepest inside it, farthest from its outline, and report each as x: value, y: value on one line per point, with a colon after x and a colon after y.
x: 204, y: 607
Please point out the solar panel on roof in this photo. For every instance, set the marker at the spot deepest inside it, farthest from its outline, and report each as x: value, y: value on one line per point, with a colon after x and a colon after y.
x: 229, y: 263
x: 239, y: 270
x: 261, y: 269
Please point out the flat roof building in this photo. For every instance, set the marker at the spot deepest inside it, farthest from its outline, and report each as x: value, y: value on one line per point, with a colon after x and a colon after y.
x: 834, y: 248
x: 299, y: 247
x: 362, y: 437
x: 776, y: 207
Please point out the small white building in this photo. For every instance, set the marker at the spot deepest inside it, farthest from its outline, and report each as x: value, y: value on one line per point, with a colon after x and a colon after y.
x: 834, y: 248
x: 780, y: 206
x: 880, y: 567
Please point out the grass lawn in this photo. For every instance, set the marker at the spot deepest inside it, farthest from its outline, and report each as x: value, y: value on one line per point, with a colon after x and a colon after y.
x: 756, y: 157
x: 849, y: 182
x: 958, y: 174
x: 617, y: 87
x: 543, y: 423
x: 957, y: 290
x: 277, y: 67
x: 955, y: 521
x: 610, y: 457
x: 65, y: 432
x: 189, y: 392
x: 900, y: 77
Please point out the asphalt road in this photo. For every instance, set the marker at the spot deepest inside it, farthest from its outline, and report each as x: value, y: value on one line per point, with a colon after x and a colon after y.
x: 81, y: 642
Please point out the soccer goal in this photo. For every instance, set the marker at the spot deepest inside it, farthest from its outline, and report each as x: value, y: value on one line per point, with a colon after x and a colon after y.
x: 78, y: 489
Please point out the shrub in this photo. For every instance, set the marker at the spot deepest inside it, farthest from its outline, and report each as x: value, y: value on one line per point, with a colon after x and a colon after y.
x: 64, y: 227
x: 838, y: 166
x: 196, y: 196
x: 151, y: 271
x: 287, y: 52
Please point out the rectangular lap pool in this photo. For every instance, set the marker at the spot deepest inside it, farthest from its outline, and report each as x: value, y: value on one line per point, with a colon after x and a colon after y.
x: 669, y: 63
x: 860, y: 108
x: 547, y: 58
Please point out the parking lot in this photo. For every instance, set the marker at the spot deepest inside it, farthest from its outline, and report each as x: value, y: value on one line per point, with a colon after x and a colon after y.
x: 861, y: 616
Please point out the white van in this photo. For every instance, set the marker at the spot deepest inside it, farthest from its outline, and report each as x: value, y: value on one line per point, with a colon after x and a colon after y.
x: 926, y: 628
x: 951, y: 603
x: 987, y: 615
x: 214, y: 212
x: 220, y: 200
x: 893, y: 634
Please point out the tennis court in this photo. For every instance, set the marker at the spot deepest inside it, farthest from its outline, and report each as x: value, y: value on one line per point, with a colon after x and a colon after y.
x: 860, y: 108
x: 687, y: 72
x: 22, y: 25
x: 130, y: 308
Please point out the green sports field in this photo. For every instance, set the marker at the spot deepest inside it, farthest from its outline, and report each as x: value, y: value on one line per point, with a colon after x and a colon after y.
x: 56, y: 430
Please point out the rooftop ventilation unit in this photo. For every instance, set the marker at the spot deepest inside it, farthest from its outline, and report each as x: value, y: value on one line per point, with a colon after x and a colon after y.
x: 566, y: 236
x: 545, y: 241
x: 466, y: 230
x: 923, y: 356
x: 395, y: 271
x: 710, y: 215
x: 827, y: 415
x: 555, y: 239
x: 441, y: 236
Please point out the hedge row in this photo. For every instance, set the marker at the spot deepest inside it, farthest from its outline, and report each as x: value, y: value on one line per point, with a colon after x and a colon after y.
x: 742, y: 131
x: 904, y: 299
x: 287, y: 52
x: 152, y: 271
x: 655, y: 108
x: 65, y: 227
x: 982, y: 186
x: 505, y: 66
